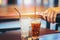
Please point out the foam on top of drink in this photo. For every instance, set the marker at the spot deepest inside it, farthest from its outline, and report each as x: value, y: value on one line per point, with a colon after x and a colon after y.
x: 35, y: 22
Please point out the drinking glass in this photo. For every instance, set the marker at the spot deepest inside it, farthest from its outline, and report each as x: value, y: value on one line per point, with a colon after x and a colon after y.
x: 35, y: 27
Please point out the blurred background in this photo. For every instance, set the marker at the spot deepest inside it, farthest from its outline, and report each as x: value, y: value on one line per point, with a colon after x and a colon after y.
x: 9, y: 18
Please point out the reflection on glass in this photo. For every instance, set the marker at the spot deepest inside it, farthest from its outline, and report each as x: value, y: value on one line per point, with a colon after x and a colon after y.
x: 25, y: 27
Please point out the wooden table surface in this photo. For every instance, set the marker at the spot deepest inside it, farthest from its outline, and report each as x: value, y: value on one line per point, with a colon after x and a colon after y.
x: 10, y: 13
x: 15, y: 35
